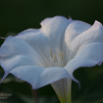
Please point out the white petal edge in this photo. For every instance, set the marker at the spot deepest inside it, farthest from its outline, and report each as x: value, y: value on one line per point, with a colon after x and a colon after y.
x: 13, y: 47
x: 94, y: 34
x: 78, y: 62
x: 15, y: 52
x: 45, y: 38
x: 88, y: 55
x: 39, y: 76
x: 74, y: 29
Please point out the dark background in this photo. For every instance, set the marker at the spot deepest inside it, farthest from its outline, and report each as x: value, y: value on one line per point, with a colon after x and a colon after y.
x: 18, y: 15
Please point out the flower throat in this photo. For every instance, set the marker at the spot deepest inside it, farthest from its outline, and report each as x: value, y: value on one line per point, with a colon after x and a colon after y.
x: 57, y: 60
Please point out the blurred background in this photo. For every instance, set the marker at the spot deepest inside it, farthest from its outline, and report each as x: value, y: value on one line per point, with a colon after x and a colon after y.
x: 18, y: 15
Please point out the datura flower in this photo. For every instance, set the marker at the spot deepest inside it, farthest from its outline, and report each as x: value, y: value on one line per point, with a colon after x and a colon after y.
x: 51, y: 54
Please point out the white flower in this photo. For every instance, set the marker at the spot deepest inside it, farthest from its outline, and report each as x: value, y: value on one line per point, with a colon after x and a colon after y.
x: 50, y: 55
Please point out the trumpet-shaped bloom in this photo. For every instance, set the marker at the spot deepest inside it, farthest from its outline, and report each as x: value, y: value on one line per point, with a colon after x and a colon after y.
x: 51, y: 54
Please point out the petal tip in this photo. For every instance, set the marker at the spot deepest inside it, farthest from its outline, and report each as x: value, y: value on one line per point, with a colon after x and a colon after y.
x: 97, y: 23
x: 3, y: 77
x: 99, y: 63
x: 70, y: 18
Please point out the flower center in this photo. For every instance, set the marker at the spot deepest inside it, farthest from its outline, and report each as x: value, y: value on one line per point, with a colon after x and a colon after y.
x: 57, y: 60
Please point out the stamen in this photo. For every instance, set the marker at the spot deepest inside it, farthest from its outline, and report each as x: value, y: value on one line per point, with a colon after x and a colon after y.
x: 55, y: 58
x: 62, y: 54
x: 51, y: 53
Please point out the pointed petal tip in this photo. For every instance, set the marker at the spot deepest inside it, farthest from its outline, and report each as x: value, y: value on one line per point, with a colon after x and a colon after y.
x: 79, y: 85
x: 3, y: 77
x: 99, y: 63
x: 77, y: 81
x: 43, y: 21
x: 97, y: 23
x: 70, y: 18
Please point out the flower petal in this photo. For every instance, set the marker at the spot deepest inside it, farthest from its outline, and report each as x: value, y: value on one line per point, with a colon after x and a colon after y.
x: 93, y: 34
x: 49, y: 36
x: 22, y: 60
x: 39, y: 76
x: 74, y: 29
x: 90, y: 54
x: 92, y: 51
x: 15, y: 52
